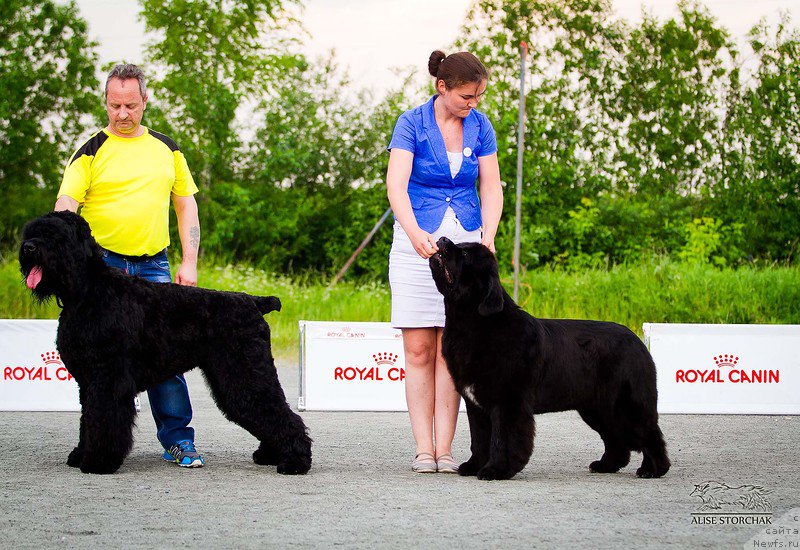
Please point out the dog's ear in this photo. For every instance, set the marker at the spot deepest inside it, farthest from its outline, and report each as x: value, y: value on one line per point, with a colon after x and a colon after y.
x: 493, y: 301
x: 84, y: 234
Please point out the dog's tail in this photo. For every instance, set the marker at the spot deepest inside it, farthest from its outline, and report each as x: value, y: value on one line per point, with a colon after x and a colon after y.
x: 265, y: 304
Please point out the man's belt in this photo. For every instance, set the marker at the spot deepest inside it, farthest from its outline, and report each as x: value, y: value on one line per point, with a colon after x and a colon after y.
x: 141, y: 258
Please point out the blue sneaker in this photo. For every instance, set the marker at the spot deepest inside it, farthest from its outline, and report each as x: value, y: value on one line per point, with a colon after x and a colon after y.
x: 184, y: 455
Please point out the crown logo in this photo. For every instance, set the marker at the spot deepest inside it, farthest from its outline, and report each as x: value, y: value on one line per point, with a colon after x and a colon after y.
x: 726, y: 360
x: 385, y: 358
x: 51, y: 357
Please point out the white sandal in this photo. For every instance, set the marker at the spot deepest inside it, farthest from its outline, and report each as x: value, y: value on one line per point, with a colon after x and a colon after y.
x: 424, y: 463
x: 446, y: 465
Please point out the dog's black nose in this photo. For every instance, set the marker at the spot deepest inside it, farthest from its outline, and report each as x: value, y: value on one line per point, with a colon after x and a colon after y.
x: 28, y: 247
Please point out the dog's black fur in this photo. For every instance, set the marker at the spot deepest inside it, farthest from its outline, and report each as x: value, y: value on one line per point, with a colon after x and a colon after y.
x: 509, y: 366
x: 119, y: 335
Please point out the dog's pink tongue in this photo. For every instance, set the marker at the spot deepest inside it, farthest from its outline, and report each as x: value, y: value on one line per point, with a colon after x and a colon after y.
x: 34, y: 277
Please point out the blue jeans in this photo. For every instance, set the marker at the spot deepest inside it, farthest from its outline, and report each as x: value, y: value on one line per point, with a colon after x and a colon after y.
x: 169, y: 401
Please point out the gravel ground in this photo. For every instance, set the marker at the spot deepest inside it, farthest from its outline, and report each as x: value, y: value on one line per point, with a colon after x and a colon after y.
x: 361, y: 493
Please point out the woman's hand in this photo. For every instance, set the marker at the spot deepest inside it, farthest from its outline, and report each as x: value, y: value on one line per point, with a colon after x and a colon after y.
x: 489, y: 243
x: 423, y: 243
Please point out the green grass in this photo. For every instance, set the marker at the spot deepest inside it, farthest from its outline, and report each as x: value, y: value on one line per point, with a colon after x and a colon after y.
x: 656, y: 291
x: 665, y: 292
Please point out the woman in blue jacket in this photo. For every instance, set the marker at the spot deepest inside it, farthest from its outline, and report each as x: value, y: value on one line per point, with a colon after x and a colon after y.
x: 439, y: 151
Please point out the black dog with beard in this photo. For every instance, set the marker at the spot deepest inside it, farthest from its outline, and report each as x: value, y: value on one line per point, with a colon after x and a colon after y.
x: 509, y: 366
x: 119, y: 335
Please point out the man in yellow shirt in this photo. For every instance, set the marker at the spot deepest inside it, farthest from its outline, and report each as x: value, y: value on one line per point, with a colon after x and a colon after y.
x: 123, y: 178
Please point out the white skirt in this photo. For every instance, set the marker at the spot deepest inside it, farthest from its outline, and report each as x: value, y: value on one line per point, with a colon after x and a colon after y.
x: 416, y: 303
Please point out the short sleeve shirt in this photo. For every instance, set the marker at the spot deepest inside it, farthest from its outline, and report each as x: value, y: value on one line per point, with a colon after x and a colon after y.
x: 125, y: 185
x: 431, y: 187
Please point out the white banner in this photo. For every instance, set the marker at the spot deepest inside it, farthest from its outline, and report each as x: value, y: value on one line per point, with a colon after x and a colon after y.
x: 33, y: 376
x: 726, y: 369
x: 351, y: 367
x: 702, y: 369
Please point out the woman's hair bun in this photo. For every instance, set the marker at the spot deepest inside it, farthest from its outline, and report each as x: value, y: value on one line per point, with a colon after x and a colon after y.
x: 434, y: 61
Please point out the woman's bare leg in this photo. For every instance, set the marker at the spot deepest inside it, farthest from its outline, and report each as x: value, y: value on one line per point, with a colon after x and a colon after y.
x: 420, y: 346
x: 447, y: 401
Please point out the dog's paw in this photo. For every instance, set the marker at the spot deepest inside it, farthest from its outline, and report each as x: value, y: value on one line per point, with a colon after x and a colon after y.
x: 264, y: 456
x: 468, y: 468
x: 650, y: 473
x: 294, y: 467
x: 599, y: 467
x: 653, y: 468
x: 645, y: 473
x: 75, y: 457
x: 490, y: 473
x: 92, y: 464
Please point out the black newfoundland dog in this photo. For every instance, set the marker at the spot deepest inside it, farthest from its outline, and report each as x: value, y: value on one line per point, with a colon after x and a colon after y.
x: 120, y: 335
x: 509, y: 366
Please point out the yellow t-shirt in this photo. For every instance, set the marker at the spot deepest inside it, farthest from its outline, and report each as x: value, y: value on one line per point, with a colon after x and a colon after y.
x: 125, y: 185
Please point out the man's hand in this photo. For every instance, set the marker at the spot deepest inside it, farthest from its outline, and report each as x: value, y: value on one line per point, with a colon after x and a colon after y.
x: 189, y: 230
x: 186, y: 275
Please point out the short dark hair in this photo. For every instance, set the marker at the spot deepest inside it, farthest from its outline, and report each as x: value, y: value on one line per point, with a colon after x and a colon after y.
x: 456, y: 69
x: 126, y: 71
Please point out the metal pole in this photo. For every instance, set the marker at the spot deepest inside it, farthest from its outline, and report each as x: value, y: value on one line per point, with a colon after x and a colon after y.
x: 523, y: 50
x: 361, y: 247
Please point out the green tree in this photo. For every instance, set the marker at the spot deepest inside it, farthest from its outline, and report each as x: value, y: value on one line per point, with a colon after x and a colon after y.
x: 625, y: 119
x: 759, y: 182
x: 664, y: 97
x: 210, y: 59
x: 313, y: 181
x: 667, y: 102
x: 571, y: 44
x: 47, y: 75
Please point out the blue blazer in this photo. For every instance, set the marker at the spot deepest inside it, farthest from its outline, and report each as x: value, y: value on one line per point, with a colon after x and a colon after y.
x: 430, y: 187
